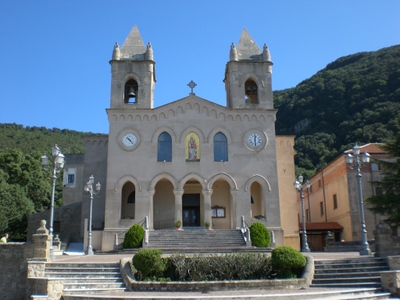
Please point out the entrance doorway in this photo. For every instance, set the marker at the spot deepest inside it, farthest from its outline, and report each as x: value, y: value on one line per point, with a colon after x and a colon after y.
x: 191, y: 210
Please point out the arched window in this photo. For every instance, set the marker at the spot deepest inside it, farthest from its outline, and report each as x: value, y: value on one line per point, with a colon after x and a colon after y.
x: 130, y: 91
x: 251, y: 92
x: 164, y: 147
x: 220, y: 147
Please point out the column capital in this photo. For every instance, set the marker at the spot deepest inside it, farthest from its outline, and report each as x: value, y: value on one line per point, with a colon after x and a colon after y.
x: 207, y: 192
x: 178, y: 192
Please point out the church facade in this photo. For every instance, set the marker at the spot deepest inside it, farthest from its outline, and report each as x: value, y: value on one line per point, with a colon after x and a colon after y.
x: 191, y: 160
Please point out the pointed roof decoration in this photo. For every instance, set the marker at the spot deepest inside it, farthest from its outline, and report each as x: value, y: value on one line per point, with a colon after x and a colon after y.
x: 133, y: 47
x: 247, y: 48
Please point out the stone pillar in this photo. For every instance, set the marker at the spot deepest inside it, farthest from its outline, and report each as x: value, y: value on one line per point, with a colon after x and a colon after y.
x: 383, y: 240
x: 151, y: 208
x: 41, y: 241
x: 207, y: 206
x: 178, y: 205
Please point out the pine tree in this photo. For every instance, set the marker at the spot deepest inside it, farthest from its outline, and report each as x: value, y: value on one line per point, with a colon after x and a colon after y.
x: 388, y: 203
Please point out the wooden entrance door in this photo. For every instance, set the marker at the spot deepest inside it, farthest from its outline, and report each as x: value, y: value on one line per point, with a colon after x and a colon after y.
x: 191, y: 210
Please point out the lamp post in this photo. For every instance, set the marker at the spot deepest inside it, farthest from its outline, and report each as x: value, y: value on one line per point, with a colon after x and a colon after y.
x: 89, y: 189
x: 58, y: 165
x: 357, y: 159
x: 298, y: 185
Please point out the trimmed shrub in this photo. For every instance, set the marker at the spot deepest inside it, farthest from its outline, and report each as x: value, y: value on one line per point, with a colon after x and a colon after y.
x: 238, y: 266
x: 287, y: 261
x: 134, y: 237
x: 259, y: 235
x: 149, y: 264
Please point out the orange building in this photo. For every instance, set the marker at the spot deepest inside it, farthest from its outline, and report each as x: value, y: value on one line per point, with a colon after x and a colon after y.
x: 332, y: 202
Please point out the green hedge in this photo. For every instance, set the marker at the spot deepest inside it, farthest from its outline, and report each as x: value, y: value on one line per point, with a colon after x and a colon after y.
x: 178, y: 267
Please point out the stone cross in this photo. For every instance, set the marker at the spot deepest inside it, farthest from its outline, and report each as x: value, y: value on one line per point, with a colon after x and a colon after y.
x: 192, y: 85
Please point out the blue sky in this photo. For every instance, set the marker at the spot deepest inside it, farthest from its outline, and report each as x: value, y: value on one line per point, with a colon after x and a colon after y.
x: 54, y: 66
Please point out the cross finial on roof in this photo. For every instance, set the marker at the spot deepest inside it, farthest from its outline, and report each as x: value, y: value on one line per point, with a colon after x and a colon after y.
x: 192, y: 85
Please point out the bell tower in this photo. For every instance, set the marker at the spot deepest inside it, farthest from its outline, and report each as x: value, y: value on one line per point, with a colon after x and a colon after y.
x: 248, y: 75
x: 132, y: 73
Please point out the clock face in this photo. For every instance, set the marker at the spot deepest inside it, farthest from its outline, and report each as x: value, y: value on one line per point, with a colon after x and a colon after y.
x: 254, y: 139
x: 129, y: 140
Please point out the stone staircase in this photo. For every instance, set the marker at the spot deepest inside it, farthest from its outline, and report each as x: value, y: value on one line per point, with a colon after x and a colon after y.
x: 349, y: 273
x: 197, y: 240
x: 86, y: 278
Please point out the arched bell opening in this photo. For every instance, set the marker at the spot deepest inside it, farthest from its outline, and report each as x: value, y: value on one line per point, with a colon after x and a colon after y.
x: 131, y: 91
x: 251, y: 92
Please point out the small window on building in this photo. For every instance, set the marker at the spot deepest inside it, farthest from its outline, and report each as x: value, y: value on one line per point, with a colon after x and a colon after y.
x: 71, y: 178
x: 307, y: 215
x: 311, y: 189
x: 335, y: 203
x: 319, y: 183
x: 321, y: 208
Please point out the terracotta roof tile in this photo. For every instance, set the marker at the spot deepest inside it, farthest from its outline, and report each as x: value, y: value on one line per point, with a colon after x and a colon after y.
x: 321, y: 226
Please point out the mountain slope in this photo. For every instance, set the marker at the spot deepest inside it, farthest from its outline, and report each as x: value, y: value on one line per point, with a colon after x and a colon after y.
x: 355, y: 99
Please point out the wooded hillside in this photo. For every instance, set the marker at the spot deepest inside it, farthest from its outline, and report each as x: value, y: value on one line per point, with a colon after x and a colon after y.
x: 355, y: 99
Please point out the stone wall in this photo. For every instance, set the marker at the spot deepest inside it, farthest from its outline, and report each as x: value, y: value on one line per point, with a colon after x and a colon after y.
x: 387, y: 243
x: 13, y: 270
x: 69, y: 217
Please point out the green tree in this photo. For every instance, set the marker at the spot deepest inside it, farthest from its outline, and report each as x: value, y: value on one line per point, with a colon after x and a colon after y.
x: 25, y: 187
x: 388, y: 203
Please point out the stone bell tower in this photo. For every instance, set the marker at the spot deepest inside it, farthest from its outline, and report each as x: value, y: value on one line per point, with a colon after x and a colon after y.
x: 248, y: 75
x: 132, y: 73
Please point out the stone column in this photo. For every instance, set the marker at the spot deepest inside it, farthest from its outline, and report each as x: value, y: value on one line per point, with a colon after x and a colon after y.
x: 151, y: 208
x: 207, y: 206
x: 178, y: 204
x: 41, y: 241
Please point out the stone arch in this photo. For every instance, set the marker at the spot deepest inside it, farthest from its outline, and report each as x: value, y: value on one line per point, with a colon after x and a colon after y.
x: 161, y: 176
x: 260, y: 179
x: 222, y: 129
x: 171, y: 113
x: 201, y: 180
x: 156, y: 134
x: 196, y: 106
x: 186, y: 131
x: 224, y: 176
x: 124, y: 179
x: 205, y: 110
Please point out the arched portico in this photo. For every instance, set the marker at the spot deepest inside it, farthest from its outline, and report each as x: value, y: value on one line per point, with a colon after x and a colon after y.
x: 257, y: 188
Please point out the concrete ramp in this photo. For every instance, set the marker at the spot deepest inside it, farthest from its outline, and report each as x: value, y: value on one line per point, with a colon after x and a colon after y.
x: 75, y: 249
